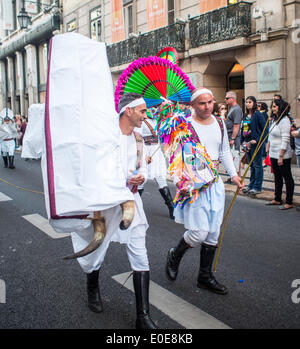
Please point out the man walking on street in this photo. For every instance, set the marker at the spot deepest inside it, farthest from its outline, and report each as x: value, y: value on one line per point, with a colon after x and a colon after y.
x: 233, y: 124
x: 203, y: 217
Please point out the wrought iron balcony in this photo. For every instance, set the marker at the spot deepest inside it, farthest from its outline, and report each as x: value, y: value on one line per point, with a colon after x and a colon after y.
x: 147, y: 44
x: 222, y: 24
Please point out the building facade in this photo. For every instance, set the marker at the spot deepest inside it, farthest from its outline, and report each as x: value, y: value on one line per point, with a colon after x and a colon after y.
x: 24, y: 52
x: 250, y: 47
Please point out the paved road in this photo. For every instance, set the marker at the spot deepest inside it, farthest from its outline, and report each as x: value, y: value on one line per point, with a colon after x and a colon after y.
x: 259, y: 262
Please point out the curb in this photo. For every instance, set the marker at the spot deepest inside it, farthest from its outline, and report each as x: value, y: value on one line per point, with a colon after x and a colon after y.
x: 264, y: 195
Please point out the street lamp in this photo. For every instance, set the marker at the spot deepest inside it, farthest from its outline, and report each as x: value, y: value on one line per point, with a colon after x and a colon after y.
x: 23, y: 18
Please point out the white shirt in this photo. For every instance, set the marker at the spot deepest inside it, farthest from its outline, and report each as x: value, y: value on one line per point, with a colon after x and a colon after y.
x: 211, y: 137
x: 279, y: 138
x: 129, y: 157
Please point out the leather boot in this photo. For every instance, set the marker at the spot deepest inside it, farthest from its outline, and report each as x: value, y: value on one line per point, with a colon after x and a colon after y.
x: 165, y: 193
x: 11, y: 162
x: 5, y: 161
x: 93, y: 292
x: 140, y: 192
x: 174, y: 258
x: 141, y: 288
x: 206, y: 278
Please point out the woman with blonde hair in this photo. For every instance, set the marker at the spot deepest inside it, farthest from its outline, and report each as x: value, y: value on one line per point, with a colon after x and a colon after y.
x: 222, y: 110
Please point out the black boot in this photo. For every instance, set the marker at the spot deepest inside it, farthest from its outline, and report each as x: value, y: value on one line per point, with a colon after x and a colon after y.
x: 141, y: 288
x: 174, y: 258
x: 93, y: 292
x: 206, y: 278
x: 11, y: 162
x: 5, y: 161
x: 140, y: 192
x: 165, y: 193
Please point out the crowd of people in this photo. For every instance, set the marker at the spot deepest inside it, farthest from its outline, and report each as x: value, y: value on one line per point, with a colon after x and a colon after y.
x: 280, y: 139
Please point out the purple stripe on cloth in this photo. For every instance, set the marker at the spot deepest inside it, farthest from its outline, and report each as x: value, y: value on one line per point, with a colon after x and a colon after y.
x: 49, y: 154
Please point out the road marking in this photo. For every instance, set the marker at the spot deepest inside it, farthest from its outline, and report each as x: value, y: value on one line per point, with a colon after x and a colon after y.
x: 43, y: 224
x: 3, y: 197
x: 175, y: 307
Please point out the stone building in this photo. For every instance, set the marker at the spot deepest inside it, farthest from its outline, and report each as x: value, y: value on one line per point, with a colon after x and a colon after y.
x: 250, y: 47
x: 24, y: 52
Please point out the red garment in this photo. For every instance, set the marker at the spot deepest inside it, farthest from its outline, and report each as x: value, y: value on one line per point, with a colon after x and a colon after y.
x: 23, y: 129
x: 268, y: 162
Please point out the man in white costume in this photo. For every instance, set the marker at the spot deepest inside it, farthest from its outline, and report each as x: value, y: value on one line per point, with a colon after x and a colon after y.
x: 156, y: 161
x: 93, y: 170
x: 132, y: 113
x: 203, y: 218
x: 8, y: 133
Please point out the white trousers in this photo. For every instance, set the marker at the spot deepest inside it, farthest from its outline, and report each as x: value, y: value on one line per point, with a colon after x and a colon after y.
x: 196, y: 237
x: 135, y: 248
x: 8, y: 148
x: 137, y: 254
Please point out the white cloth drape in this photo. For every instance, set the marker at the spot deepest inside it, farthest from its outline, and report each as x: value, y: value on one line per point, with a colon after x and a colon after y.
x: 34, y: 135
x: 82, y: 171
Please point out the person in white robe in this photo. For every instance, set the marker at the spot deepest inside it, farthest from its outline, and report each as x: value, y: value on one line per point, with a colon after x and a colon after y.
x: 8, y: 133
x: 96, y: 166
x: 132, y: 113
x: 203, y: 218
x: 156, y: 161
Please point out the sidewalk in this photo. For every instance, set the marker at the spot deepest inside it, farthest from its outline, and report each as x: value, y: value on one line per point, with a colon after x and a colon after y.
x: 268, y: 184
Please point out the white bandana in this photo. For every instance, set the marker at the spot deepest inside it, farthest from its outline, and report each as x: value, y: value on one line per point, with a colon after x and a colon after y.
x: 132, y: 104
x: 200, y: 92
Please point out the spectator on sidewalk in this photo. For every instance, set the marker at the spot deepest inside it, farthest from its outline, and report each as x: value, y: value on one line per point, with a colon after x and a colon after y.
x: 253, y: 125
x: 296, y: 135
x: 222, y: 110
x: 23, y: 129
x: 233, y: 124
x: 263, y: 108
x: 281, y: 153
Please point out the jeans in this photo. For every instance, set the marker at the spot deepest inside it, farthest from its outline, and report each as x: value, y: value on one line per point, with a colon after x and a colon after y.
x: 256, y: 169
x: 283, y: 172
x: 298, y: 156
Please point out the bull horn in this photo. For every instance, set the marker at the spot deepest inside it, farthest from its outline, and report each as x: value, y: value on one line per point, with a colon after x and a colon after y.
x: 99, y: 235
x: 127, y: 214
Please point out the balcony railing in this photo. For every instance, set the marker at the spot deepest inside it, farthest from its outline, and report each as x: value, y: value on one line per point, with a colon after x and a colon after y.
x: 147, y: 44
x: 223, y: 24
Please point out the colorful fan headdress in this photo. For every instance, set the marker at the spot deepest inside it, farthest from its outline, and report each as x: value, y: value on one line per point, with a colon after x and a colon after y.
x: 169, y: 53
x: 155, y: 79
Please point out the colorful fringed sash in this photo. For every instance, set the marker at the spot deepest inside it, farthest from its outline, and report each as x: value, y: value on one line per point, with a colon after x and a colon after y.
x: 186, y: 153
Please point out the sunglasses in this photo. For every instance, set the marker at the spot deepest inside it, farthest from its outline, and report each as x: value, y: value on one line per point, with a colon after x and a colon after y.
x: 228, y: 97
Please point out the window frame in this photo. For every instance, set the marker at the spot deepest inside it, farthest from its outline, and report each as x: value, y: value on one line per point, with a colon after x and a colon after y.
x: 96, y: 19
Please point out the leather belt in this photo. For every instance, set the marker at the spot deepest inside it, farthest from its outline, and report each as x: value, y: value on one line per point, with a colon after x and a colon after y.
x: 8, y: 139
x: 149, y: 140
